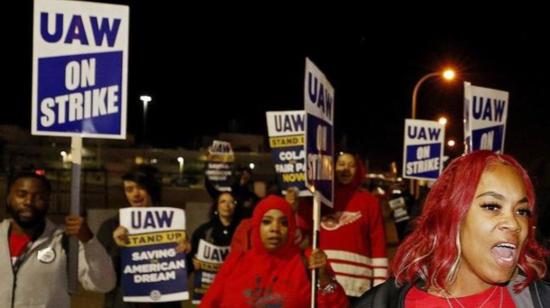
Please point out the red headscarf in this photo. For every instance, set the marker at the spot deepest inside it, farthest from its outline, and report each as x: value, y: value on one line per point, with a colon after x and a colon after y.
x: 273, y: 203
x: 259, y: 277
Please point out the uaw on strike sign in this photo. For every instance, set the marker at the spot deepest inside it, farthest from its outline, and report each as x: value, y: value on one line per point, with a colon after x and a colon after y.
x: 80, y: 53
x: 152, y: 270
x: 485, y: 114
x: 319, y: 143
x: 423, y: 149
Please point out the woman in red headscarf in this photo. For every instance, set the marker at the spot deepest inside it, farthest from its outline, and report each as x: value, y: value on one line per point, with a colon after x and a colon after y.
x: 274, y: 272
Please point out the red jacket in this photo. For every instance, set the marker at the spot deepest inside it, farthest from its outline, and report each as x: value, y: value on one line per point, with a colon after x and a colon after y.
x: 354, y: 241
x: 353, y: 237
x: 258, y: 278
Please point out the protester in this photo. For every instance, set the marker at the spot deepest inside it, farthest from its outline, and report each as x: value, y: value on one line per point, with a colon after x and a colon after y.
x: 224, y: 218
x: 242, y: 239
x: 474, y: 242
x: 352, y: 232
x: 142, y: 189
x: 33, y: 257
x: 273, y: 273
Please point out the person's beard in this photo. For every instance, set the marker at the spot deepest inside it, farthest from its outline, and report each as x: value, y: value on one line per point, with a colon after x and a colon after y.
x: 36, y: 220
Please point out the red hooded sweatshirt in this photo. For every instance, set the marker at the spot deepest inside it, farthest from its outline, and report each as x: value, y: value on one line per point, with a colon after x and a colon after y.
x: 259, y: 278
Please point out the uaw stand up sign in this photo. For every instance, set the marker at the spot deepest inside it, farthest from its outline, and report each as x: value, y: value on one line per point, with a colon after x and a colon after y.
x: 152, y: 270
x: 219, y: 165
x: 286, y: 139
x: 209, y: 259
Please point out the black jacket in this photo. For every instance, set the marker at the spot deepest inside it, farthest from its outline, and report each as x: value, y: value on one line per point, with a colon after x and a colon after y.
x: 388, y: 295
x: 213, y: 232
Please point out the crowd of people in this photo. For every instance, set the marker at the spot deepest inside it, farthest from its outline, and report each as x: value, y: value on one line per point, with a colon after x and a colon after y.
x: 473, y: 244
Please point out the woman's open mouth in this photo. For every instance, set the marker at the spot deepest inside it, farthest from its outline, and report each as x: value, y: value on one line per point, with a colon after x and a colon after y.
x: 505, y: 254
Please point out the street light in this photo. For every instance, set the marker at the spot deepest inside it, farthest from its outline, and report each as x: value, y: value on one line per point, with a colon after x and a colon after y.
x: 145, y: 99
x: 448, y: 74
x: 451, y: 143
x: 442, y: 121
x: 181, y: 161
x: 63, y: 156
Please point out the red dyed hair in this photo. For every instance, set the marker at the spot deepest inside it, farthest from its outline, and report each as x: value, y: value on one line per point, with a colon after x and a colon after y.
x: 431, y: 251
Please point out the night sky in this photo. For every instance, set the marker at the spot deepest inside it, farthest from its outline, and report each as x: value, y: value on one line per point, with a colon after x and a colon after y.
x: 212, y: 70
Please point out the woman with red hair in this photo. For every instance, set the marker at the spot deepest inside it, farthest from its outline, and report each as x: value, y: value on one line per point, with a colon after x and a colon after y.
x: 273, y: 273
x: 474, y: 243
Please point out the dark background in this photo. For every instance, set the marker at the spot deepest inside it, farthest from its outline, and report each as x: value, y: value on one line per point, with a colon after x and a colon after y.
x: 216, y: 68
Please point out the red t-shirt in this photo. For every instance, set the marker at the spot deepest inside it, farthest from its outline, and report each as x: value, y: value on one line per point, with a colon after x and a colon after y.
x: 491, y: 297
x: 18, y: 243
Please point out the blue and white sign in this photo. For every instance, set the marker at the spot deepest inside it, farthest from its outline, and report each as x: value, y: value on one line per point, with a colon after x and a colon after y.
x: 423, y: 149
x: 152, y: 271
x: 286, y: 139
x: 319, y: 145
x: 80, y: 65
x: 209, y: 259
x: 486, y: 112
